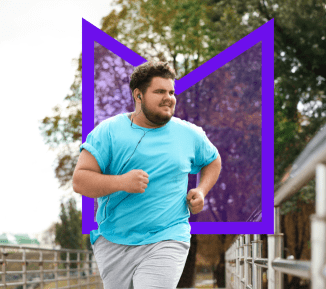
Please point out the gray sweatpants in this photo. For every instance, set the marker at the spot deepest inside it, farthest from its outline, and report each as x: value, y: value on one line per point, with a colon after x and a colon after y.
x: 157, y: 265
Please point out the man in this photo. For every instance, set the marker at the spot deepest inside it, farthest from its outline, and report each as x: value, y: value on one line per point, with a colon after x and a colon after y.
x: 137, y: 165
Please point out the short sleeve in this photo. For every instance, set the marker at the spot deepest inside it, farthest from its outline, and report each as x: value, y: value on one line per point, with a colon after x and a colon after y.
x: 205, y: 151
x: 98, y: 143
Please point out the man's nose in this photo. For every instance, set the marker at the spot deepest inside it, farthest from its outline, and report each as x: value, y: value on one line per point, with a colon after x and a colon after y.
x: 169, y: 96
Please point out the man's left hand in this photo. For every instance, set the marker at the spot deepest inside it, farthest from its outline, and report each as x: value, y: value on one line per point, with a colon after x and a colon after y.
x: 195, y: 200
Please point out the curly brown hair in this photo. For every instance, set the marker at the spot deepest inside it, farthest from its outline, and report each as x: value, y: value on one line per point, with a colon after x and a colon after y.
x: 143, y: 74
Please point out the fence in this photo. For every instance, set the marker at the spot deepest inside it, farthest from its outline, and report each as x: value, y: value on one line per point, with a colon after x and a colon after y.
x: 244, y: 264
x: 43, y: 268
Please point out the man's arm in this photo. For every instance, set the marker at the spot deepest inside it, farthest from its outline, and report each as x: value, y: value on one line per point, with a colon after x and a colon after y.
x: 89, y: 181
x: 208, y: 177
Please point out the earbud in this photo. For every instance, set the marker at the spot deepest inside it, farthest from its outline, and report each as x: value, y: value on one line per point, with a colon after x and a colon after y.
x: 139, y: 96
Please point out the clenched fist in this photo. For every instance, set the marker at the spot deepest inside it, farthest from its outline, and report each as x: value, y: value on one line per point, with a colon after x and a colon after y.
x: 195, y: 200
x: 135, y: 181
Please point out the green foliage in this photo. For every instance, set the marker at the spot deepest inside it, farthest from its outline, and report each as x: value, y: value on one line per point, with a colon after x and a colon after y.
x: 68, y: 233
x: 300, y: 69
x: 87, y: 242
x: 300, y: 74
x: 306, y: 195
x: 287, y: 143
x: 163, y: 31
x: 188, y: 33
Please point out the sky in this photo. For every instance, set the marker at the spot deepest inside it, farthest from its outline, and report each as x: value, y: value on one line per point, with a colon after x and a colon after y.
x: 39, y: 41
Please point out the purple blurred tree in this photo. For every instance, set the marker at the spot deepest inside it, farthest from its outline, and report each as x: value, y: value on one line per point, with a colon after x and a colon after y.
x: 227, y: 104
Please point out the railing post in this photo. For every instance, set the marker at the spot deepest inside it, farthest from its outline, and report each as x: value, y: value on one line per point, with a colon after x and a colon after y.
x: 24, y: 269
x: 275, y: 250
x: 236, y: 268
x: 241, y: 256
x: 78, y: 269
x: 237, y: 265
x: 41, y: 270
x: 56, y: 268
x: 4, y: 267
x: 233, y: 270
x: 318, y: 230
x: 228, y: 268
x: 68, y: 268
x: 247, y: 253
x: 256, y: 270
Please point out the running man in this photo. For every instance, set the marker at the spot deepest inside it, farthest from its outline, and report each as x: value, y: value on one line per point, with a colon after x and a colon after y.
x: 137, y: 165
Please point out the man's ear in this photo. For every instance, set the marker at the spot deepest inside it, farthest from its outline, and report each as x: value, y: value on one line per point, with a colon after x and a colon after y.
x: 136, y: 93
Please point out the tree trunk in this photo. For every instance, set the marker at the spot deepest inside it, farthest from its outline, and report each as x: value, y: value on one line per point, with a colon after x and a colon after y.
x: 219, y: 273
x: 285, y: 243
x: 187, y: 279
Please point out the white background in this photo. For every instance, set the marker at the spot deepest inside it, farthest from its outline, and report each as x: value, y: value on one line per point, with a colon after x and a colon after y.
x: 38, y: 42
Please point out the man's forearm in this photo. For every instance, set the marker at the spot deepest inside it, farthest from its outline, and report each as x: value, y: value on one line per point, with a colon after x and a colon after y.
x: 94, y: 185
x: 209, y: 175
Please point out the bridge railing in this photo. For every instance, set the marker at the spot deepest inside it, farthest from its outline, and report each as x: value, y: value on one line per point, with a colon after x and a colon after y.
x: 244, y: 262
x: 27, y: 267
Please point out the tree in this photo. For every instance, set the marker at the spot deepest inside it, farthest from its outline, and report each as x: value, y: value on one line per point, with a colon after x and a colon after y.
x: 69, y: 231
x: 163, y: 30
x: 299, y: 79
x: 214, y: 254
x: 159, y: 32
x: 217, y: 25
x: 299, y: 67
x: 187, y: 278
x: 152, y: 34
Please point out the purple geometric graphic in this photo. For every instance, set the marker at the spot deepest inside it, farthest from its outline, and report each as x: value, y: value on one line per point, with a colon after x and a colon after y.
x: 226, y: 104
x: 261, y: 39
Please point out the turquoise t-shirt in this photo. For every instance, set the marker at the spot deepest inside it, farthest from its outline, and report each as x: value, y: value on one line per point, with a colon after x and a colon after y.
x: 168, y: 154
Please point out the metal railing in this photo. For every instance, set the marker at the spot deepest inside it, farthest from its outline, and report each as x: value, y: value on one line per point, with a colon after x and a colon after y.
x: 43, y: 268
x: 244, y: 262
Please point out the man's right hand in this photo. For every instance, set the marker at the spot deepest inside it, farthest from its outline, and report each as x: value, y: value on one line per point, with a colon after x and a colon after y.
x: 135, y: 181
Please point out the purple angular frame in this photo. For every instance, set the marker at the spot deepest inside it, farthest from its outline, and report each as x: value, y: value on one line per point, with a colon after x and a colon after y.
x: 264, y: 34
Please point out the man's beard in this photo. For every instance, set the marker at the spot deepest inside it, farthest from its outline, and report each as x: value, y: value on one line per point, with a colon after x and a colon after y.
x: 155, y: 118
